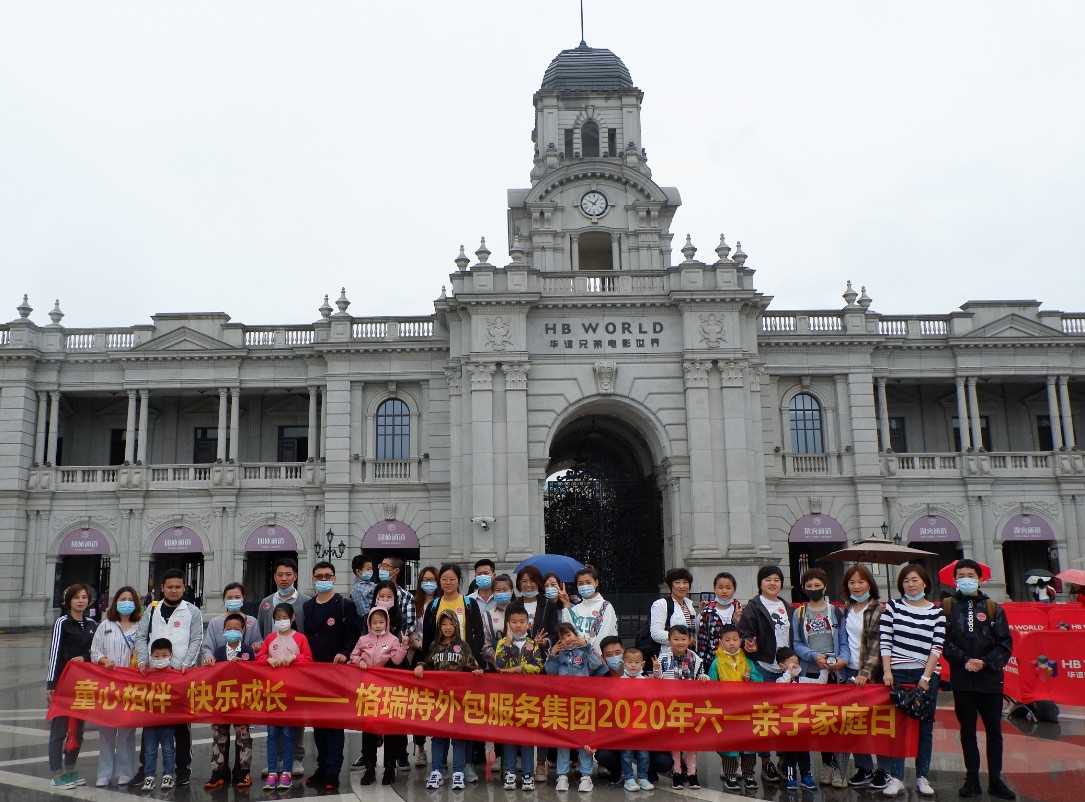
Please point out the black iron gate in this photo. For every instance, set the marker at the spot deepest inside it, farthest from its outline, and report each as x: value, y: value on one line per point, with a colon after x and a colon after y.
x: 599, y: 514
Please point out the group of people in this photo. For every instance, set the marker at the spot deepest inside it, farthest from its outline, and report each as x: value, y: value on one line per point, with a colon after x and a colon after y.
x: 532, y: 624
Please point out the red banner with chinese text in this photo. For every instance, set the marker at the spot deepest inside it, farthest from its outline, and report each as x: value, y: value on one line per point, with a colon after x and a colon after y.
x: 542, y: 711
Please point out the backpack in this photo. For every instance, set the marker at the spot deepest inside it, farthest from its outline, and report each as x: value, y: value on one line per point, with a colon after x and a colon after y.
x: 947, y: 605
x: 644, y: 640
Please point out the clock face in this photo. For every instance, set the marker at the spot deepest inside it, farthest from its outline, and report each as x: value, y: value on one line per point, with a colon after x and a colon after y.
x: 594, y: 203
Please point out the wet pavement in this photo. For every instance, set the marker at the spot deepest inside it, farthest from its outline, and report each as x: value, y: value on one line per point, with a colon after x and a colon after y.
x: 1044, y: 762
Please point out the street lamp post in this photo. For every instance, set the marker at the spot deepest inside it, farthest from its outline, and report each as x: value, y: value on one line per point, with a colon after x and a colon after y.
x: 329, y: 552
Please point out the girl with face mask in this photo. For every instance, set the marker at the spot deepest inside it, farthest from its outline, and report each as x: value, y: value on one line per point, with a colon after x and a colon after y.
x: 233, y: 600
x: 282, y: 648
x: 721, y: 611
x: 112, y: 646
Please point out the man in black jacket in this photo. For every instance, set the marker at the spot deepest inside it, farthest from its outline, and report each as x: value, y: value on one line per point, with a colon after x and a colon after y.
x: 977, y: 648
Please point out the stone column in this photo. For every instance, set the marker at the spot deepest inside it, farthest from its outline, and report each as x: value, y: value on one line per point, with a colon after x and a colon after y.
x: 741, y: 488
x: 39, y: 440
x: 703, y: 482
x: 220, y: 444
x: 519, y: 488
x: 883, y: 414
x: 674, y: 503
x: 459, y: 531
x: 482, y: 442
x: 574, y: 240
x: 130, y: 429
x: 129, y: 545
x: 31, y: 570
x: 314, y: 446
x: 974, y: 410
x: 141, y: 441
x: 1067, y: 415
x: 1053, y: 413
x: 234, y: 450
x: 324, y: 422
x: 962, y: 415
x: 54, y: 426
x: 615, y: 251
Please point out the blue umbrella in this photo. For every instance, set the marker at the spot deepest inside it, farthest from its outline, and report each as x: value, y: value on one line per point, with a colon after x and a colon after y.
x: 564, y: 567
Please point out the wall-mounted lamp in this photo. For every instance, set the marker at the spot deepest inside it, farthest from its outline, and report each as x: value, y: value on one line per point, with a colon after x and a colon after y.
x: 885, y: 529
x: 777, y: 450
x: 483, y: 522
x: 898, y: 539
x: 355, y: 457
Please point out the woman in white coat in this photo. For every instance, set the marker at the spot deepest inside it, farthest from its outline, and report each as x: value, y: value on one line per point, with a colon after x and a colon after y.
x: 678, y: 604
x: 112, y: 646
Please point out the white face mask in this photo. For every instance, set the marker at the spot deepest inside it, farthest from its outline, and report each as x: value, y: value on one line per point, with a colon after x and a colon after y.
x: 795, y: 671
x: 161, y: 663
x: 282, y: 624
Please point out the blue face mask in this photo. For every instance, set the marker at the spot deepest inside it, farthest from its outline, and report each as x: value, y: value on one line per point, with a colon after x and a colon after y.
x: 585, y: 590
x: 324, y: 585
x: 522, y: 636
x: 725, y: 602
x: 551, y: 593
x: 234, y: 605
x: 367, y: 576
x: 615, y: 662
x: 860, y: 599
x: 384, y: 575
x: 530, y: 594
x: 429, y: 587
x: 968, y: 585
x: 286, y: 591
x: 483, y: 581
x: 232, y: 636
x: 126, y: 607
x: 916, y: 597
x: 503, y: 598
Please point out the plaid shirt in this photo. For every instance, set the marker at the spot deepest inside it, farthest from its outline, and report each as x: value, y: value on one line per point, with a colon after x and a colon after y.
x: 708, y: 630
x: 870, y: 648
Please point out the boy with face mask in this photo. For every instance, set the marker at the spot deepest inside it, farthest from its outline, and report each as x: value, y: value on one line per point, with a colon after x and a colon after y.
x: 730, y: 664
x: 977, y: 647
x: 516, y: 653
x: 161, y: 652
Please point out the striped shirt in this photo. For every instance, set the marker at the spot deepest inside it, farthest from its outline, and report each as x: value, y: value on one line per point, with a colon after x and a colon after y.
x: 910, y: 634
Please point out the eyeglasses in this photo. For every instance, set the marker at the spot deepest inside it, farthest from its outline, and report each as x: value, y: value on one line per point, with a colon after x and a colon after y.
x: 323, y: 577
x: 387, y: 567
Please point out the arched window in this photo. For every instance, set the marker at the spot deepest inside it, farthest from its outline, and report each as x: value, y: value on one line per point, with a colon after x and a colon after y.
x: 393, y: 430
x: 589, y: 138
x: 804, y: 419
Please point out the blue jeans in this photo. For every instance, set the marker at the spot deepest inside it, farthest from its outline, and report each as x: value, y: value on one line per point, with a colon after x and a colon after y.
x: 439, y: 753
x: 642, y: 758
x: 585, y: 762
x: 526, y: 755
x: 274, y: 733
x: 910, y: 676
x: 154, y: 737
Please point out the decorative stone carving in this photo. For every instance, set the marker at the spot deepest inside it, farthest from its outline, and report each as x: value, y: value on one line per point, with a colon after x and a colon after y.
x: 499, y: 332
x: 1052, y: 509
x: 696, y: 373
x: 515, y: 375
x: 712, y: 331
x: 908, y: 509
x: 389, y: 510
x: 756, y: 372
x: 605, y: 370
x: 454, y: 377
x: 731, y: 374
x: 97, y: 521
x: 482, y: 375
x: 815, y: 505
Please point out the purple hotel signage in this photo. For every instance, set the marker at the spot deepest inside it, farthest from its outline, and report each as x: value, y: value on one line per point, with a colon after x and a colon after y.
x: 390, y: 535
x: 177, y: 540
x: 1027, y: 527
x: 817, y: 529
x: 933, y: 529
x: 271, y: 538
x: 83, y: 541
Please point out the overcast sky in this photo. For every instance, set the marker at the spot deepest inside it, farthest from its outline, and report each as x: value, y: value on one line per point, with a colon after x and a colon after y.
x: 248, y: 157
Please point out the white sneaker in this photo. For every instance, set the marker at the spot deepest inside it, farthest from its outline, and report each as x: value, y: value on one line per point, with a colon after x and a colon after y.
x: 436, y: 780
x: 420, y: 756
x: 167, y: 782
x: 469, y: 774
x: 631, y: 785
x: 922, y: 784
x: 826, y: 776
x: 457, y: 781
x: 562, y: 784
x: 148, y: 784
x: 645, y: 785
x: 299, y: 769
x: 510, y: 781
x: 586, y: 785
x: 838, y: 779
x: 894, y: 787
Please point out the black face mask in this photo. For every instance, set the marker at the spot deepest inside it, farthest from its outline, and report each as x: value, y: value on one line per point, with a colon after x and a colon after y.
x: 815, y: 595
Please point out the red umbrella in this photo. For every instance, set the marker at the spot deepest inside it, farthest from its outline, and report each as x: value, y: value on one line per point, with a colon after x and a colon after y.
x: 946, y: 577
x: 1075, y: 576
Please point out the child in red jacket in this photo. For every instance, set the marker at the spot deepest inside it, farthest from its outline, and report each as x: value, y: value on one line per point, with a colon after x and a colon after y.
x: 283, y: 647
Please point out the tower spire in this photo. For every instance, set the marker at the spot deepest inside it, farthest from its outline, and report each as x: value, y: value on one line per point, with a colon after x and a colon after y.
x: 583, y: 43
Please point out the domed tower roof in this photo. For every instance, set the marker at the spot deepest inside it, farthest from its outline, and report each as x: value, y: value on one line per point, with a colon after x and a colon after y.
x: 586, y: 69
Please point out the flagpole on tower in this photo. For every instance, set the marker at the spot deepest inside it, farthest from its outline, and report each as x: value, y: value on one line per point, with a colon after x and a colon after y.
x: 582, y: 23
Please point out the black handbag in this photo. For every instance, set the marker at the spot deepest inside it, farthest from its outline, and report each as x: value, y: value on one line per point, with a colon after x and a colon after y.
x: 913, y: 702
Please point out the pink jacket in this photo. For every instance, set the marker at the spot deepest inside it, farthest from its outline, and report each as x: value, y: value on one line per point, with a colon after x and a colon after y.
x: 377, y: 651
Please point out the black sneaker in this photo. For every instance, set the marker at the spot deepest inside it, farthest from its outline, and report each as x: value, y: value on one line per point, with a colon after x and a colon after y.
x: 692, y: 781
x: 997, y: 787
x: 879, y: 779
x: 369, y: 777
x: 316, y: 779
x: 769, y: 772
x: 732, y: 783
x: 749, y: 781
x: 184, y: 777
x: 402, y: 764
x: 389, y: 776
x: 137, y: 780
x: 359, y: 764
x: 860, y: 778
x: 678, y: 780
x: 971, y: 786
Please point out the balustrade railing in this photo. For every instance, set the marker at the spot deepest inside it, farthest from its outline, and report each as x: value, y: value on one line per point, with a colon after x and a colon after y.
x: 391, y: 469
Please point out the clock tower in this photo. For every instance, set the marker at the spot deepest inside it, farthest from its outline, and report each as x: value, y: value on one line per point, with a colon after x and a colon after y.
x: 592, y: 205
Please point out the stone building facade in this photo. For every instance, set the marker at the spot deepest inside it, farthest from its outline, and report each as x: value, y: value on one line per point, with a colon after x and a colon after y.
x: 736, y: 434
